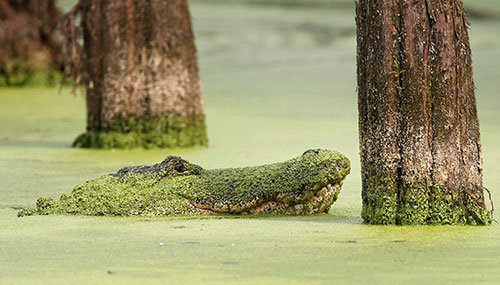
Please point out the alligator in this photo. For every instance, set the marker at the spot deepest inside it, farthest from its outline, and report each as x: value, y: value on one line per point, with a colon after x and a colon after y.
x: 307, y: 184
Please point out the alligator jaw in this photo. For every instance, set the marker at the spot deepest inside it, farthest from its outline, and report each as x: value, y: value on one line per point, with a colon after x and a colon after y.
x: 319, y: 202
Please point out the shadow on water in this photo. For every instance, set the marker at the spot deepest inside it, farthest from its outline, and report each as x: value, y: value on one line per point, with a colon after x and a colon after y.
x: 481, y: 14
x: 318, y: 218
x: 474, y: 11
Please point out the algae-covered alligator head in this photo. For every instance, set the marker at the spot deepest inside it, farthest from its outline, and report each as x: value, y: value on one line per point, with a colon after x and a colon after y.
x: 306, y: 184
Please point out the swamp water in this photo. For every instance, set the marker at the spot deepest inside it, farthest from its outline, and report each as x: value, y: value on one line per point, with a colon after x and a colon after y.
x: 277, y: 81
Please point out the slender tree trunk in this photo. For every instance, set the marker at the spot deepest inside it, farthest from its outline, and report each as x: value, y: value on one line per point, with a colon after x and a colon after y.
x: 419, y: 130
x: 140, y: 69
x: 28, y: 40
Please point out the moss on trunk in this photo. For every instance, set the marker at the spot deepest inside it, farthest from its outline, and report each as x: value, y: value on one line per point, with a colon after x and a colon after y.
x: 389, y: 203
x: 164, y: 132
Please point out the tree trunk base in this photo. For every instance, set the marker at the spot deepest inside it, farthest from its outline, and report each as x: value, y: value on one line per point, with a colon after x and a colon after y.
x: 30, y: 52
x: 165, y: 132
x: 419, y: 205
x: 22, y: 74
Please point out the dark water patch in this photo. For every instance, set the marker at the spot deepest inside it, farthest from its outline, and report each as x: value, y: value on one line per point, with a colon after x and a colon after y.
x: 16, y: 207
x: 346, y: 241
x: 12, y: 207
x: 480, y: 14
x: 178, y: 227
x: 324, y: 35
x: 34, y: 143
x: 284, y: 35
x: 44, y: 161
x: 291, y: 4
x: 303, y: 4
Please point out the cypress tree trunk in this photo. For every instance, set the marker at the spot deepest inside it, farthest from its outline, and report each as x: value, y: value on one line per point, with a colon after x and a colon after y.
x: 28, y: 41
x: 419, y: 130
x: 139, y: 65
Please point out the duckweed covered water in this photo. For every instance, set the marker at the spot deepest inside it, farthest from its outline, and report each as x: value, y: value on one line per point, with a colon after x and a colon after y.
x: 273, y: 87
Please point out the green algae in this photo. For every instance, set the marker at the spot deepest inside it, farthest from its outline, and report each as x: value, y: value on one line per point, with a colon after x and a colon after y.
x: 413, y: 208
x: 177, y: 187
x: 17, y: 74
x: 380, y: 202
x: 30, y: 79
x: 445, y: 209
x: 161, y: 132
x: 388, y: 203
x: 35, y: 160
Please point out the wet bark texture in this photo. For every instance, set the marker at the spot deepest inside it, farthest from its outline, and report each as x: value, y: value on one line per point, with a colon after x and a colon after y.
x: 28, y: 40
x: 419, y: 129
x: 139, y: 65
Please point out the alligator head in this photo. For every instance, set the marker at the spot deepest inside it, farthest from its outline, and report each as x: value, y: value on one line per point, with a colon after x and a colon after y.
x: 306, y: 184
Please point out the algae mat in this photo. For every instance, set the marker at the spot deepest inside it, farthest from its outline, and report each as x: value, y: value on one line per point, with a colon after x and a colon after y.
x: 276, y: 81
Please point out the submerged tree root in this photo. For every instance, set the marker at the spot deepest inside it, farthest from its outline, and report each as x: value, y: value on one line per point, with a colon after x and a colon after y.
x: 307, y: 184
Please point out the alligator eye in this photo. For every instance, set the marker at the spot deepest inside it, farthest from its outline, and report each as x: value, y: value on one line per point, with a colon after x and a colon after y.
x: 315, y: 151
x: 180, y: 168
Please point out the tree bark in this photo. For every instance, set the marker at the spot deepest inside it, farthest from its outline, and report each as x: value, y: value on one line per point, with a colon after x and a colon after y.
x: 419, y: 129
x: 28, y: 40
x: 139, y: 65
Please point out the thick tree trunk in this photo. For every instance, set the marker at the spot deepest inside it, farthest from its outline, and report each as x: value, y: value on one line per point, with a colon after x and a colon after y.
x: 28, y: 41
x: 419, y: 130
x: 141, y: 74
